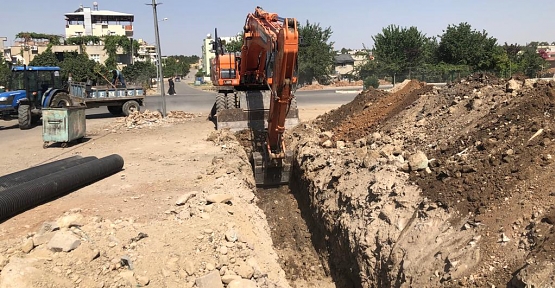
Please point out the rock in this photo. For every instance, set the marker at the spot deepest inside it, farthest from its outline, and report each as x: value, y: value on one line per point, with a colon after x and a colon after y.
x: 3, y: 261
x: 230, y: 278
x: 535, y: 275
x: 143, y: 280
x: 129, y: 277
x: 340, y: 144
x: 63, y: 241
x: 48, y: 227
x: 42, y: 238
x: 504, y: 238
x: 513, y: 85
x: 244, y: 270
x: 219, y: 198
x: 185, y: 197
x: 28, y: 245
x: 21, y: 272
x: 210, y: 280
x: 70, y: 221
x: 327, y: 144
x: 327, y: 134
x: 189, y: 267
x: 172, y: 264
x: 210, y: 266
x: 231, y: 235
x: 418, y: 161
x: 242, y: 283
x: 223, y: 250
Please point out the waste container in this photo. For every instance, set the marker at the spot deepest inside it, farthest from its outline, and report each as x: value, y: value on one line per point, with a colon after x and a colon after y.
x: 63, y: 125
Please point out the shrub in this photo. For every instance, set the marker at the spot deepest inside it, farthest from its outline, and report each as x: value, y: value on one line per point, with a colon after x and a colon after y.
x: 371, y: 81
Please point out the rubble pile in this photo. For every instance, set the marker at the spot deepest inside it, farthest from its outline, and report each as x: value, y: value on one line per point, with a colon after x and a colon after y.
x: 435, y: 186
x: 205, y: 238
x: 149, y: 118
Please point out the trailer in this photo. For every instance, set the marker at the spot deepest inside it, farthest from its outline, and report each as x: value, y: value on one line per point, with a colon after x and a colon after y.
x: 119, y: 100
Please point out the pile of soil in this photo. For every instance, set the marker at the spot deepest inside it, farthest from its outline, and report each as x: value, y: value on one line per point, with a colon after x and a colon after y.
x: 432, y: 186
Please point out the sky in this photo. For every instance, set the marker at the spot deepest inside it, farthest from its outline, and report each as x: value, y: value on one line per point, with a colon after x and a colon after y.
x: 353, y: 22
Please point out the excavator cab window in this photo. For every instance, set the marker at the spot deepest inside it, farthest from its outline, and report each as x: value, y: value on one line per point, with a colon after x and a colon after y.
x: 228, y: 73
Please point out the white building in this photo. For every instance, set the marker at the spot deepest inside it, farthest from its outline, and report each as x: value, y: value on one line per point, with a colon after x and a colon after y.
x: 94, y: 22
x: 208, y: 53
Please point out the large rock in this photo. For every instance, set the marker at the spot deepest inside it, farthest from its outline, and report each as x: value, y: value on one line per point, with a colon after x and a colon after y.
x: 243, y: 283
x: 535, y: 275
x: 63, y: 241
x: 513, y: 85
x: 210, y: 280
x: 219, y: 198
x: 21, y: 272
x: 418, y: 161
x: 185, y: 197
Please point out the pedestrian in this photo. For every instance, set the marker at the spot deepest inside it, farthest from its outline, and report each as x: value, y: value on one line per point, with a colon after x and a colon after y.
x: 171, y: 90
x: 118, y: 76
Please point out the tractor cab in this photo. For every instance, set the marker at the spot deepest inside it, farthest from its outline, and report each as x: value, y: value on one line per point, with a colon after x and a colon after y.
x: 29, y: 90
x: 32, y: 83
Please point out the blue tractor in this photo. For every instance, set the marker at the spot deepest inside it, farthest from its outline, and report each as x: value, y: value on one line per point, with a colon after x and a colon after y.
x: 29, y: 90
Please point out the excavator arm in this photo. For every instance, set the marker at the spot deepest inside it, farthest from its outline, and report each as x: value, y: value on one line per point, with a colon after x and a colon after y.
x: 268, y: 62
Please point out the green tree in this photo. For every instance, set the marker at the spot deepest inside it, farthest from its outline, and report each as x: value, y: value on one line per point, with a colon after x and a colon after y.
x: 140, y: 73
x: 316, y: 55
x: 111, y: 45
x: 4, y: 73
x: 399, y: 48
x: 530, y: 62
x: 82, y: 68
x: 461, y: 45
x: 46, y: 58
x: 234, y: 45
x: 175, y: 66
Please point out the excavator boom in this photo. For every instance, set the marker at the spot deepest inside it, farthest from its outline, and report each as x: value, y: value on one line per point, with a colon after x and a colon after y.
x: 268, y: 65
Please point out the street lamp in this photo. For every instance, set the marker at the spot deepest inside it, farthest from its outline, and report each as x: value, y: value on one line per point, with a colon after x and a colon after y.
x: 159, y: 54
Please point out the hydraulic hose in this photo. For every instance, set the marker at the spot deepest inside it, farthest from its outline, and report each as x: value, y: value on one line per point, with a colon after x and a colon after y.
x: 33, y: 173
x: 20, y: 198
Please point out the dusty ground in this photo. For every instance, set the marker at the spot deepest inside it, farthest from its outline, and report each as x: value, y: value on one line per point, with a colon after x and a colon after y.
x: 418, y: 187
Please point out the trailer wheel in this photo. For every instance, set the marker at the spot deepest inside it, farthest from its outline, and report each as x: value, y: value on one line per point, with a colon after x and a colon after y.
x: 115, y: 110
x: 130, y: 106
x: 61, y: 100
x: 24, y: 116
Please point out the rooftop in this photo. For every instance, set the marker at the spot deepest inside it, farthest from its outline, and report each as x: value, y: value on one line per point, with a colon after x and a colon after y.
x: 107, y: 15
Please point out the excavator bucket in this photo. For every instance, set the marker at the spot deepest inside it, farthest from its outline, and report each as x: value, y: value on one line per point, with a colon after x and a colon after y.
x: 251, y: 112
x: 267, y: 173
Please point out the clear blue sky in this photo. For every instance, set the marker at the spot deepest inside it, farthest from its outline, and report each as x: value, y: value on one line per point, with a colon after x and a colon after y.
x: 353, y: 22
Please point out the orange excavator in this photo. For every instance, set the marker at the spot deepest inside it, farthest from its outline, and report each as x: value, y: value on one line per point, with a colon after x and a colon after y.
x: 224, y: 74
x: 267, y: 77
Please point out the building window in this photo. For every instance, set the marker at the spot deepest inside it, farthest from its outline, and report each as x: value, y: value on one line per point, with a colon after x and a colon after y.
x: 95, y: 57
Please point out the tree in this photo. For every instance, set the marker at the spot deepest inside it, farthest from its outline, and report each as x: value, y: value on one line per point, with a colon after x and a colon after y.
x: 140, y: 73
x: 530, y: 62
x: 234, y: 45
x: 461, y: 45
x: 176, y: 65
x: 111, y: 45
x: 46, y: 58
x: 316, y: 55
x: 4, y: 72
x: 82, y: 68
x: 399, y: 48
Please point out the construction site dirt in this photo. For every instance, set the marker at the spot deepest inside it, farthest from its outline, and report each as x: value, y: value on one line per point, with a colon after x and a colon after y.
x: 419, y: 186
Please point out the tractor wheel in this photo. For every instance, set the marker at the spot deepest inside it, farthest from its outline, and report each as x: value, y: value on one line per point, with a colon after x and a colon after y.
x: 130, y: 106
x: 24, y: 116
x: 220, y: 103
x: 61, y: 100
x: 115, y: 110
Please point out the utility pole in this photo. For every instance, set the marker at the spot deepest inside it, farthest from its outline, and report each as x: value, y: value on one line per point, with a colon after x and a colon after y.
x: 159, y: 56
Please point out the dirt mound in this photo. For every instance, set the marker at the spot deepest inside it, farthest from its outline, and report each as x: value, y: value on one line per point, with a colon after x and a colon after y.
x: 453, y: 182
x: 356, y: 119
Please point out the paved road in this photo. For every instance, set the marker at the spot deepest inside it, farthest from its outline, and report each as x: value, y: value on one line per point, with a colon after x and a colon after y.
x: 194, y: 100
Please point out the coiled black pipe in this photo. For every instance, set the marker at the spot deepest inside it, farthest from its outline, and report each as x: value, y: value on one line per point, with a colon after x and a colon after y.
x: 17, y: 199
x: 33, y: 173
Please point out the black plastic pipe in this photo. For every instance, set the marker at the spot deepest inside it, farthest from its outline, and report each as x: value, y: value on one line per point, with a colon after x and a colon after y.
x: 33, y: 173
x: 20, y: 198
